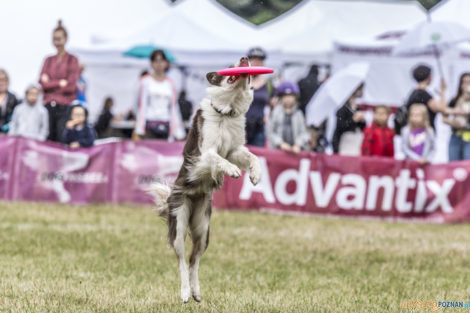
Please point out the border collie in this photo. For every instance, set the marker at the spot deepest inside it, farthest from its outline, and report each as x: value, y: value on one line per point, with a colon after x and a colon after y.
x: 214, y: 147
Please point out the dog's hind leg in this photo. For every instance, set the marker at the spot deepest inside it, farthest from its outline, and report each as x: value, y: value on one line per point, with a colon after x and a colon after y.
x: 178, y: 224
x: 199, y: 226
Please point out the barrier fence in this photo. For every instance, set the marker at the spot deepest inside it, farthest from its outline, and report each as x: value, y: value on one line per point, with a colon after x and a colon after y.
x: 120, y: 172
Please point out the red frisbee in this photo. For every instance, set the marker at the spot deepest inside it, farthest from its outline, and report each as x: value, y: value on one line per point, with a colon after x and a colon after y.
x: 250, y: 70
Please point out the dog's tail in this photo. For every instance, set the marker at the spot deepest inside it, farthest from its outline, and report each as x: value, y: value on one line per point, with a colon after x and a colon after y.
x: 161, y: 192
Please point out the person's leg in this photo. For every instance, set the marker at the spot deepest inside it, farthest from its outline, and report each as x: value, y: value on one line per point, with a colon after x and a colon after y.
x: 259, y: 140
x: 455, y: 148
x: 52, y: 122
x: 466, y: 150
x: 62, y: 115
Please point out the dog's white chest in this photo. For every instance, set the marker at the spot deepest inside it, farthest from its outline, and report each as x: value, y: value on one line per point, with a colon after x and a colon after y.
x: 224, y: 134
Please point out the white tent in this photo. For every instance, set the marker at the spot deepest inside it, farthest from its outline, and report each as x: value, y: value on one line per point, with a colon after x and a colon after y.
x: 306, y: 33
x: 217, y: 19
x: 452, y: 10
x: 201, y: 35
x: 27, y: 29
x: 389, y: 79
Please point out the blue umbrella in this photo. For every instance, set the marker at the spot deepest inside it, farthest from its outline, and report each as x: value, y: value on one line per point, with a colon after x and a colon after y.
x: 145, y: 51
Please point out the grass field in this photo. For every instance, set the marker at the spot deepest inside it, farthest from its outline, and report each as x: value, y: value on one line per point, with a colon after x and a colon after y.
x: 115, y: 259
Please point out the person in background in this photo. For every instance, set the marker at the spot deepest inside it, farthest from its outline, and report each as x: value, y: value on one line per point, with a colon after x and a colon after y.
x: 102, y: 126
x: 81, y: 86
x: 30, y: 118
x: 318, y: 141
x: 378, y: 137
x: 77, y: 132
x: 350, y: 121
x: 308, y: 86
x: 418, y: 136
x: 186, y: 109
x: 255, y: 134
x: 8, y: 101
x: 458, y: 117
x: 422, y: 75
x: 158, y: 114
x: 286, y: 128
x: 58, y: 78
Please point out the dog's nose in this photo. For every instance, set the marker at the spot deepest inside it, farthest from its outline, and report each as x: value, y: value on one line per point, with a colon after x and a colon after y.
x: 244, y: 61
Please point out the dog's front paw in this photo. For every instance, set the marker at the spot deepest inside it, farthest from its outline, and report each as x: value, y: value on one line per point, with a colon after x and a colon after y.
x: 255, y: 173
x: 233, y: 171
x: 255, y: 177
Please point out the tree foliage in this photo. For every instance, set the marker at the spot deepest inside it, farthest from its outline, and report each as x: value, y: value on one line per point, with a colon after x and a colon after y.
x: 260, y: 11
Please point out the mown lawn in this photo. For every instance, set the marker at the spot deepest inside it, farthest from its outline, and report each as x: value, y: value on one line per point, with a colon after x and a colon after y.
x: 57, y: 258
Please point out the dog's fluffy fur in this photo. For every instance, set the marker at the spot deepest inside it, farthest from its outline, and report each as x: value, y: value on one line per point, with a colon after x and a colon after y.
x: 214, y: 147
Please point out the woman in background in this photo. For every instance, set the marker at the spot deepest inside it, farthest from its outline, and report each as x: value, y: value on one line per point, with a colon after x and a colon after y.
x: 8, y: 102
x: 458, y: 118
x: 158, y: 114
x: 58, y: 79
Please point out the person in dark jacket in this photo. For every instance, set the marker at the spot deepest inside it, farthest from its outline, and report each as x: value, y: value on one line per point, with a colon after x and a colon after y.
x: 77, y: 132
x: 186, y: 109
x: 349, y: 118
x: 8, y: 102
x: 422, y: 75
x: 262, y: 92
x: 307, y: 87
x: 105, y: 118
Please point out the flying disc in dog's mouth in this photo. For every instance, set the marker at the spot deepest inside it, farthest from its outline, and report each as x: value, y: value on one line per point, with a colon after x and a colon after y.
x: 244, y: 69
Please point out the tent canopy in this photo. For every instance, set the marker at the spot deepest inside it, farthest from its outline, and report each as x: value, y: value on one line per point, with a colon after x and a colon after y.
x: 28, y: 26
x: 309, y: 29
x: 452, y: 10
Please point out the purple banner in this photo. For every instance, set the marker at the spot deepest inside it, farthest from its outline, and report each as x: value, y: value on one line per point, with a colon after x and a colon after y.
x: 122, y: 172
x: 7, y: 162
x: 53, y: 173
x: 139, y: 164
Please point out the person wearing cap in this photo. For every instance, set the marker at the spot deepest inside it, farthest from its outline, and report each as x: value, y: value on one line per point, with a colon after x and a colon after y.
x: 255, y: 134
x: 286, y: 127
x: 30, y: 119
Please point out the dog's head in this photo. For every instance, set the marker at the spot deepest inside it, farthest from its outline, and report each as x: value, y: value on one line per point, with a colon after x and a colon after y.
x: 242, y: 81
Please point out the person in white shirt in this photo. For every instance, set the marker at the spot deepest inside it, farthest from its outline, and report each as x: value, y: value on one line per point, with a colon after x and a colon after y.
x: 158, y: 114
x: 30, y: 118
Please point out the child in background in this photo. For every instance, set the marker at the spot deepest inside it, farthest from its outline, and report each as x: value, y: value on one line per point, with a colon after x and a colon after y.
x: 286, y: 128
x: 30, y: 119
x: 77, y: 132
x: 378, y: 137
x: 418, y: 135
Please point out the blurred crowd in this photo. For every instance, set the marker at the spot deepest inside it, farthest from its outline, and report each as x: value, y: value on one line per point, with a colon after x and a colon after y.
x: 55, y: 109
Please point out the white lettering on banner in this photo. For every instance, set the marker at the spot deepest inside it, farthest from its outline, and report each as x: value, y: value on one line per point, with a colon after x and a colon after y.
x: 323, y: 195
x: 4, y: 175
x: 442, y: 195
x: 421, y: 193
x: 357, y: 192
x: 354, y: 191
x: 299, y: 197
x: 404, y: 182
x: 375, y: 183
x: 263, y: 186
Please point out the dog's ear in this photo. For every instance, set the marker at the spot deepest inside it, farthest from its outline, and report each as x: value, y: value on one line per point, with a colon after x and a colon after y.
x: 214, y: 79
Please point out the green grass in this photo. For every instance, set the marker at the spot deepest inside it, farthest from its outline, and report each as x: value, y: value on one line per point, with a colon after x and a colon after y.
x: 57, y: 258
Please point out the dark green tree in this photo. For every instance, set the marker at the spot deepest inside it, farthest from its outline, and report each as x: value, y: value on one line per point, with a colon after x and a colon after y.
x: 260, y: 11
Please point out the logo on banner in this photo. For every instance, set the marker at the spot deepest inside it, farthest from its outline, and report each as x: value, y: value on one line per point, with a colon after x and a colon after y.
x: 353, y: 191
